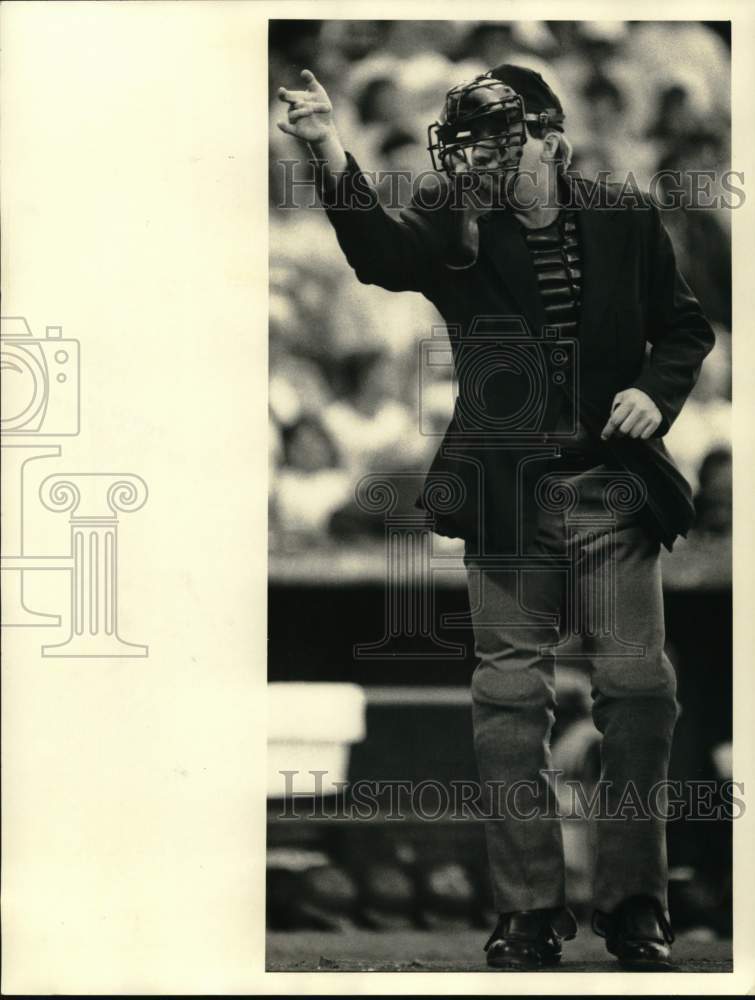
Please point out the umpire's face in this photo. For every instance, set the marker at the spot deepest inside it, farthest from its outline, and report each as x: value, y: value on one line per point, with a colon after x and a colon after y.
x: 537, y: 169
x: 511, y: 173
x: 493, y: 160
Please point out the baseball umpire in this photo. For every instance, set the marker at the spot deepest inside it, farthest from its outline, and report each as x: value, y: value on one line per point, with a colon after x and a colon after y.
x: 503, y: 229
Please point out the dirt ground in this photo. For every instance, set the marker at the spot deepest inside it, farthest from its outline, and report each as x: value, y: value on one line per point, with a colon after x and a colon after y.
x: 455, y: 950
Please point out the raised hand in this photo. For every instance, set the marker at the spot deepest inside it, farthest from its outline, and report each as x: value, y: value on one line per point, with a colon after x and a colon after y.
x: 310, y: 113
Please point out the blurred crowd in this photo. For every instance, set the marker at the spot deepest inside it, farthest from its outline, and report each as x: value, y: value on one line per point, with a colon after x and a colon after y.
x: 348, y: 394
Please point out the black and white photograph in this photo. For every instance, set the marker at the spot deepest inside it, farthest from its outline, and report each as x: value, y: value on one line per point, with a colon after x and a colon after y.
x: 501, y: 496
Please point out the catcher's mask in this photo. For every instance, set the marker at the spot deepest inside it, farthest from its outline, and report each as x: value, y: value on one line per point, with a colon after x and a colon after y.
x: 486, y: 113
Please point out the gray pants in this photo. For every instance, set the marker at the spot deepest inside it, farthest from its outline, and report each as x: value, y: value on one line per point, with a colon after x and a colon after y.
x: 614, y: 577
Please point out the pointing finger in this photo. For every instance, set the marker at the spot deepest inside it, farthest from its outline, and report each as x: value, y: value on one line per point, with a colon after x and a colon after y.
x: 313, y: 84
x: 618, y: 415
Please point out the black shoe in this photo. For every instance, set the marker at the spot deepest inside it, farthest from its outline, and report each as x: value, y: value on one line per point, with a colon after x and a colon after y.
x: 529, y: 939
x: 638, y: 933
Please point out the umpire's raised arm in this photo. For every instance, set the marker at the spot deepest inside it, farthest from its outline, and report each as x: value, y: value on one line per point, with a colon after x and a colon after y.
x: 397, y: 254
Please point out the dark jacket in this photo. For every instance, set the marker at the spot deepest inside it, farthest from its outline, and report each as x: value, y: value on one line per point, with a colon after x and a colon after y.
x: 640, y: 325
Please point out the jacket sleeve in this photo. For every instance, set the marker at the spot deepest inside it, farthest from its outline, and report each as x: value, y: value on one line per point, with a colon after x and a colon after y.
x: 398, y: 254
x: 679, y: 333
